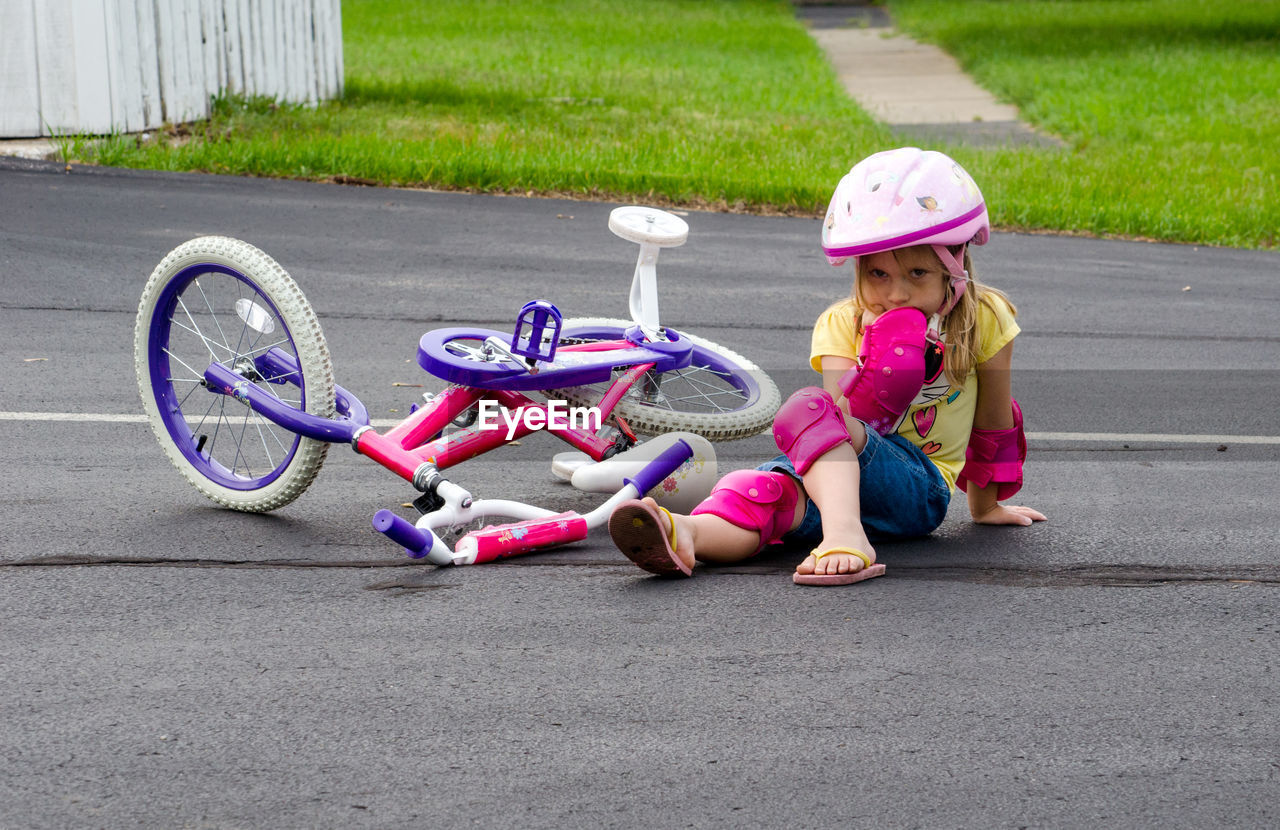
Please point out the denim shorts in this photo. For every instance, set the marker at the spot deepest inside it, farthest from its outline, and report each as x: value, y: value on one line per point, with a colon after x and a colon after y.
x: 902, y: 493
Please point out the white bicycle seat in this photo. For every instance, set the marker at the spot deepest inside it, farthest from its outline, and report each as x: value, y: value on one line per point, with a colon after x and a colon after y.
x: 648, y: 226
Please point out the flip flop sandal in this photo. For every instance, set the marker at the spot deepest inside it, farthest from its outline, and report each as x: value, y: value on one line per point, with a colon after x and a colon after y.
x: 636, y: 529
x: 867, y: 571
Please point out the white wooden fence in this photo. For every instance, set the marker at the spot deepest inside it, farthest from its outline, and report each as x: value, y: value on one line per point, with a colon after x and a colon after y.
x: 103, y: 66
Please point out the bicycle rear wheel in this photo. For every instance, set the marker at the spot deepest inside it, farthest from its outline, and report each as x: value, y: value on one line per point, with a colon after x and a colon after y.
x: 220, y: 299
x: 721, y: 395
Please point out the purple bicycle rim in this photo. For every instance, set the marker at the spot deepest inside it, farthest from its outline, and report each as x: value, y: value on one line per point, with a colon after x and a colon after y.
x: 166, y: 395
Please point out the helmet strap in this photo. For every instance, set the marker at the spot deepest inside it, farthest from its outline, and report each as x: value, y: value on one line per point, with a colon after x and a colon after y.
x: 954, y: 265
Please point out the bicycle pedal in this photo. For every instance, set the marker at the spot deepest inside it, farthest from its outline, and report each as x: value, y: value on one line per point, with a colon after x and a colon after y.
x: 537, y: 332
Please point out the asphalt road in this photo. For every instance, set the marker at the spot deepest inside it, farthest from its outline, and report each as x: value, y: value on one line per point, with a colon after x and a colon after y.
x: 171, y: 664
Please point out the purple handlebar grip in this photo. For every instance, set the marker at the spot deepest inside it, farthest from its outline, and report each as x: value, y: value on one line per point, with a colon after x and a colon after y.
x: 416, y: 543
x: 667, y: 462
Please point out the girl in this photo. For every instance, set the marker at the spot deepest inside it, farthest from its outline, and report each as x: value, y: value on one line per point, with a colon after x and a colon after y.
x: 915, y: 396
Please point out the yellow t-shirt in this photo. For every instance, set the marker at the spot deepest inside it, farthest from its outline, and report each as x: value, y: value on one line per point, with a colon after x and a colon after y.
x: 940, y: 419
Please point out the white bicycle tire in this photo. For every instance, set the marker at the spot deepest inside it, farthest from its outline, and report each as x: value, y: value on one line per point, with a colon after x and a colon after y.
x: 744, y: 422
x: 295, y: 474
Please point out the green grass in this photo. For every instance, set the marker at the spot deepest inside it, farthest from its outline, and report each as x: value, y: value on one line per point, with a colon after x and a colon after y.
x: 1168, y: 109
x: 688, y: 101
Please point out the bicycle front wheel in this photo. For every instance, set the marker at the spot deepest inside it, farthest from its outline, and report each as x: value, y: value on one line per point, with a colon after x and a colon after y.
x: 720, y: 395
x: 216, y: 299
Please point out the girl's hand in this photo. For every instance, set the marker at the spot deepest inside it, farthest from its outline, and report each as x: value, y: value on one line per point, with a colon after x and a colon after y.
x: 1009, y: 514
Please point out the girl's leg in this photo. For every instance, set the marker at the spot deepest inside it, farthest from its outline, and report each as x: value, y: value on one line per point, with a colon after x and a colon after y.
x: 833, y: 482
x: 822, y: 442
x: 710, y: 538
x: 906, y: 496
x: 887, y: 491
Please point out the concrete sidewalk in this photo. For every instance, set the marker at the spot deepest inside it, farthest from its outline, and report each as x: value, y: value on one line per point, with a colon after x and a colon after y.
x: 917, y: 89
x: 38, y: 149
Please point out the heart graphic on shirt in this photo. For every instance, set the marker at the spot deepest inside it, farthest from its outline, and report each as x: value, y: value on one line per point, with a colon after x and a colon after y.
x: 930, y: 448
x: 924, y: 419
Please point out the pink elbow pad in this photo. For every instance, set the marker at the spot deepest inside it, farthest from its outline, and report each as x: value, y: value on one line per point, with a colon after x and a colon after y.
x: 996, y: 455
x: 891, y: 369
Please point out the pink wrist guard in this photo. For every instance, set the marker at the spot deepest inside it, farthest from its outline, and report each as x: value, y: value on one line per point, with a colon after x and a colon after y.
x: 995, y: 455
x: 891, y: 369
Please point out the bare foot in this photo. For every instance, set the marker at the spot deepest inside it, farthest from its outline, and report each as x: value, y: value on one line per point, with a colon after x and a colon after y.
x: 837, y: 562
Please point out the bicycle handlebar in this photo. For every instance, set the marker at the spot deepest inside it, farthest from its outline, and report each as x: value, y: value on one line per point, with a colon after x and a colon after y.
x: 540, y: 528
x: 663, y: 465
x: 415, y: 543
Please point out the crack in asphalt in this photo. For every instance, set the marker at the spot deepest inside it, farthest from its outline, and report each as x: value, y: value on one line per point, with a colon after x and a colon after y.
x: 1065, y: 576
x: 168, y: 562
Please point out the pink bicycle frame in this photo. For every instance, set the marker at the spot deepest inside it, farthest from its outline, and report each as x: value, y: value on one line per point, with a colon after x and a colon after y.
x: 409, y: 444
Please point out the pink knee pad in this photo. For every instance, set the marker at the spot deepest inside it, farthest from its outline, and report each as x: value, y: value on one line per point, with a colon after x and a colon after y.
x: 808, y: 425
x: 891, y: 369
x: 754, y: 500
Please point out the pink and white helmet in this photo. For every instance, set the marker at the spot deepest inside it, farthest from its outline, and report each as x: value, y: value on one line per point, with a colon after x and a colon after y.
x: 905, y: 197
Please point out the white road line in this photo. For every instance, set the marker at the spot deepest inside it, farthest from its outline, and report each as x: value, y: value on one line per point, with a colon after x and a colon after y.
x: 1081, y: 437
x: 86, y: 417
x: 1152, y: 438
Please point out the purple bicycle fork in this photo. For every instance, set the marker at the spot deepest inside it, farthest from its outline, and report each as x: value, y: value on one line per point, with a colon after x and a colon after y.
x: 281, y: 368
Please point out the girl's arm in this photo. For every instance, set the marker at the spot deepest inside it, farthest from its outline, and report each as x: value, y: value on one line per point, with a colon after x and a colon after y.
x: 995, y: 411
x: 833, y: 369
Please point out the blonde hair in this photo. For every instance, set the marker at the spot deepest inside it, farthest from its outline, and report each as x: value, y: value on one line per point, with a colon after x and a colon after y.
x: 960, y: 324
